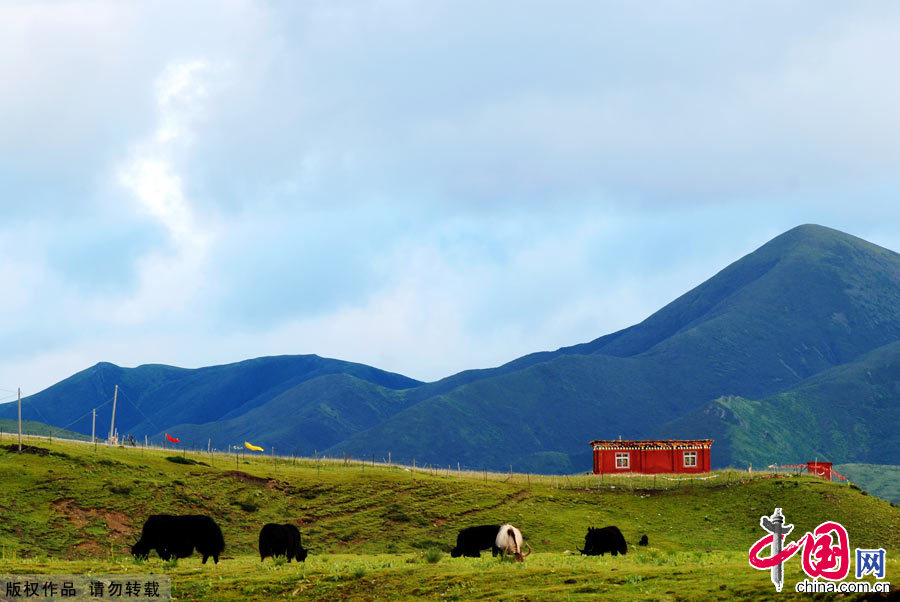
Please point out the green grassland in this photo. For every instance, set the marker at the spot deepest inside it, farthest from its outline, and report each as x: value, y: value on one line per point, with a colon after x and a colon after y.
x: 877, y: 479
x: 11, y: 428
x: 372, y: 530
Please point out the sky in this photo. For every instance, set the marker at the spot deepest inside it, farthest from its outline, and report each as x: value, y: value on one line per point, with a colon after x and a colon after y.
x: 424, y: 187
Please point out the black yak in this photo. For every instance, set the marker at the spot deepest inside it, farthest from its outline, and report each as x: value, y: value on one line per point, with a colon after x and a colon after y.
x: 472, y: 540
x: 599, y: 541
x: 281, y: 540
x: 509, y: 541
x: 177, y: 536
x: 644, y: 541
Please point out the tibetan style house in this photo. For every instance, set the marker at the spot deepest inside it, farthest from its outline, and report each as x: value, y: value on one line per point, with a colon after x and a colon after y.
x: 651, y: 457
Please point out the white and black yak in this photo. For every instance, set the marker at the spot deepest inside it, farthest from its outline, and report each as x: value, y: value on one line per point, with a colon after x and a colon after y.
x: 597, y: 542
x: 177, y: 536
x: 471, y: 540
x: 281, y: 540
x: 509, y: 541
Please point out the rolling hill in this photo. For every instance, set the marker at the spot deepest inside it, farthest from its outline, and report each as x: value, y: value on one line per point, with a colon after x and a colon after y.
x: 385, y: 531
x: 807, y: 302
x: 789, y: 351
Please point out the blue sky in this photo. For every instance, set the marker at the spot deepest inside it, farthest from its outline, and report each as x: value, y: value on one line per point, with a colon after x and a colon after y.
x: 421, y: 186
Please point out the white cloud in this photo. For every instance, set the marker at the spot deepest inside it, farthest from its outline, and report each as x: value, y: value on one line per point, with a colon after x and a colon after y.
x: 168, y: 278
x: 418, y: 186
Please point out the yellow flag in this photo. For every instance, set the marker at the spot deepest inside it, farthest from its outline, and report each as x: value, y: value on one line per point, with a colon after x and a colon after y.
x: 253, y: 447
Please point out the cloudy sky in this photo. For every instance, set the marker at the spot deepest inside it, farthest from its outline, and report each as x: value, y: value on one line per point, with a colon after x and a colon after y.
x: 421, y: 186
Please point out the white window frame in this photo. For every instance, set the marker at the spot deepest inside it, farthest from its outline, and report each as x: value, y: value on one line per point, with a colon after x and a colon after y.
x: 623, y: 456
x: 689, y: 455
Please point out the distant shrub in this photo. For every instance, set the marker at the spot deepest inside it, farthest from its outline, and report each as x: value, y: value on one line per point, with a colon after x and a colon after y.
x: 433, y: 555
x: 120, y: 490
x: 855, y: 486
x: 359, y: 572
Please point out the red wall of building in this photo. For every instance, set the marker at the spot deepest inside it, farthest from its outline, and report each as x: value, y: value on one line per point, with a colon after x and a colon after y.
x: 651, y: 461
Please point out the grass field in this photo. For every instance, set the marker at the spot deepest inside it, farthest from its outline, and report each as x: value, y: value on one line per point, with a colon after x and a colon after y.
x: 880, y: 480
x: 372, y: 530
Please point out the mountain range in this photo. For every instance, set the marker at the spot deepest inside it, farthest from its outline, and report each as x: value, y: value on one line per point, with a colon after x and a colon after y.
x: 789, y: 353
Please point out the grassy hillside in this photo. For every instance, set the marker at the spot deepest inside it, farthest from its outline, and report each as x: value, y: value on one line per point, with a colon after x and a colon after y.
x: 847, y: 414
x: 809, y: 301
x: 153, y: 398
x: 344, y: 405
x: 877, y: 479
x: 73, y: 509
x: 9, y: 429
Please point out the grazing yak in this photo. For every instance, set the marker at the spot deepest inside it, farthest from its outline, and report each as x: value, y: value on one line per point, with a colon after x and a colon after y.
x: 472, y: 540
x: 177, y: 536
x: 599, y: 541
x: 509, y: 541
x: 281, y: 540
x: 644, y: 541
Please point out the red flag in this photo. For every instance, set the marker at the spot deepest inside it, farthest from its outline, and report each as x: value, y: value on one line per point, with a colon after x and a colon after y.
x: 172, y: 439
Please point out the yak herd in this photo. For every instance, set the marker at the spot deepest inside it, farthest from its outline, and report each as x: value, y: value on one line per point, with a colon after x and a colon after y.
x: 178, y: 537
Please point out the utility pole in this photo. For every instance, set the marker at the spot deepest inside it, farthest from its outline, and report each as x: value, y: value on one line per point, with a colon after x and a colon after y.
x: 20, y: 418
x: 112, y: 423
x: 93, y: 424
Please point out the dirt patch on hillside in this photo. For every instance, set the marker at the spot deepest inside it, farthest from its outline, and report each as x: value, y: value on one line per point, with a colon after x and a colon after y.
x: 89, y: 548
x: 118, y: 523
x: 75, y: 515
x: 244, y: 477
x: 27, y: 449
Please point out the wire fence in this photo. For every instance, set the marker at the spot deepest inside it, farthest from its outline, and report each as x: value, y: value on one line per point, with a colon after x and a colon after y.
x: 270, y: 464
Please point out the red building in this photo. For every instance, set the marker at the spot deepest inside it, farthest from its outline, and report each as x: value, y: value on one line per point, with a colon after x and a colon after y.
x: 820, y: 469
x: 651, y: 457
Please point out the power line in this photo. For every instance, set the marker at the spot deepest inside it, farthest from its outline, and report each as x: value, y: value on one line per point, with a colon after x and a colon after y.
x: 134, y: 405
x: 86, y: 413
